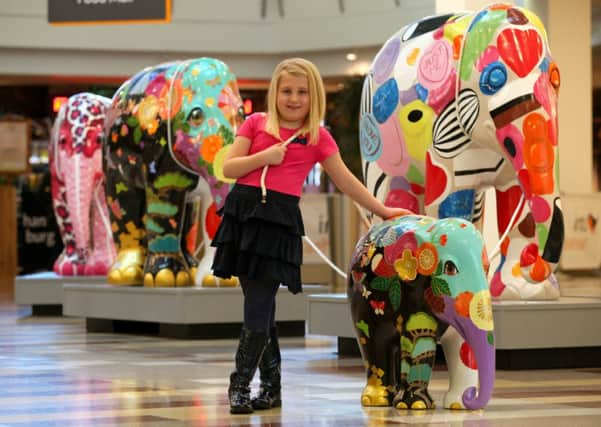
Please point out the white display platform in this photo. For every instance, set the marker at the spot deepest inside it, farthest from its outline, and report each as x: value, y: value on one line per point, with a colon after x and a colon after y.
x: 44, y: 290
x: 190, y: 312
x: 545, y: 334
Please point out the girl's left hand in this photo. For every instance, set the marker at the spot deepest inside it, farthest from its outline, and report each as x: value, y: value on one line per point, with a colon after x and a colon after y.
x: 390, y: 213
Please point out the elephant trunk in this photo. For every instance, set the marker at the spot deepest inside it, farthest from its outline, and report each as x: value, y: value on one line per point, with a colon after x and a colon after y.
x: 530, y: 142
x: 485, y: 358
x: 477, y: 331
x: 539, y: 184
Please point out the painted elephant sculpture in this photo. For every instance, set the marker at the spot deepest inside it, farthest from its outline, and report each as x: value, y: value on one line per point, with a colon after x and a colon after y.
x: 411, y: 278
x: 169, y: 128
x: 77, y: 186
x: 456, y: 104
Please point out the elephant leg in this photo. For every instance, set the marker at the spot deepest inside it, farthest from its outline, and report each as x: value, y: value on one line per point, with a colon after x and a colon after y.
x: 166, y: 193
x: 507, y: 282
x: 378, y: 341
x: 126, y: 198
x: 418, y: 328
x: 461, y: 366
x: 102, y: 254
x: 68, y: 261
x: 69, y: 199
x: 190, y: 234
x: 209, y: 220
x: 379, y: 352
x: 418, y: 356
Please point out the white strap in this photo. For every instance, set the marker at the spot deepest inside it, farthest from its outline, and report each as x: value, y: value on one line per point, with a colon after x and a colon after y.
x: 264, y: 173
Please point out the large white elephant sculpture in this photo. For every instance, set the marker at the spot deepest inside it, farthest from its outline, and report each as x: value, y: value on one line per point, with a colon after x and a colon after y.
x: 454, y: 105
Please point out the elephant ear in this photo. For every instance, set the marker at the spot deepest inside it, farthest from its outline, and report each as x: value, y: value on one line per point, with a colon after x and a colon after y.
x: 453, y: 127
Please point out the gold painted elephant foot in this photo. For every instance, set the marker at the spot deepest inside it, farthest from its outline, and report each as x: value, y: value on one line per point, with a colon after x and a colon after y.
x: 167, y: 271
x: 375, y: 393
x: 413, y: 398
x: 211, y: 281
x: 128, y: 268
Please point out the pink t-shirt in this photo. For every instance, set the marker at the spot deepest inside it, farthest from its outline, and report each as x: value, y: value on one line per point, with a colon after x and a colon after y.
x: 289, y: 176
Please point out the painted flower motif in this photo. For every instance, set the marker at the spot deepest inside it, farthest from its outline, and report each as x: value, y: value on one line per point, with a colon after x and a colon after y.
x: 406, y: 266
x: 378, y: 307
x: 427, y: 259
x: 481, y: 311
x: 147, y: 112
x: 462, y: 303
x: 405, y: 241
x: 155, y: 87
x: 210, y: 146
x: 177, y: 97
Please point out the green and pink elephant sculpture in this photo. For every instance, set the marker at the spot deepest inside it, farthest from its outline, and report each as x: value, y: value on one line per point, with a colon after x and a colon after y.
x: 77, y: 186
x: 169, y: 128
x: 411, y: 279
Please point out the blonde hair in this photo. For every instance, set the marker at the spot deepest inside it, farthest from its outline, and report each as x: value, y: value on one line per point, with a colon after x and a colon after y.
x: 317, y: 97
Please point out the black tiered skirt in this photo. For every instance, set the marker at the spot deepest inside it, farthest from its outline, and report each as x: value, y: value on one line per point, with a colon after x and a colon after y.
x: 260, y: 240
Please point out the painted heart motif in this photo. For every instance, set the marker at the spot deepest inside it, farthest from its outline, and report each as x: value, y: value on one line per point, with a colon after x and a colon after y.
x: 394, y: 251
x: 436, y: 179
x: 520, y: 49
x: 435, y: 64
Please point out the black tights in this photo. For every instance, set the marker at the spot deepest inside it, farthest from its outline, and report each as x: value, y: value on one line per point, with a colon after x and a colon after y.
x: 259, y: 303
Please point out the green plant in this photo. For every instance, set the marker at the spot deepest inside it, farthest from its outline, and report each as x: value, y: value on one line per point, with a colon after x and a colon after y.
x: 343, y: 119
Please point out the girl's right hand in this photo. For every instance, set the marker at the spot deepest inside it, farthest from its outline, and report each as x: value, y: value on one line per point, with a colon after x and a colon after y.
x: 274, y: 155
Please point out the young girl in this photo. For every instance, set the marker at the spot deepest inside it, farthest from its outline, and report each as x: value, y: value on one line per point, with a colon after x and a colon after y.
x: 259, y: 238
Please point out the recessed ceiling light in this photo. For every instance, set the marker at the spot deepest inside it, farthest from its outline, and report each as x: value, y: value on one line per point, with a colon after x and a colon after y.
x: 351, y: 57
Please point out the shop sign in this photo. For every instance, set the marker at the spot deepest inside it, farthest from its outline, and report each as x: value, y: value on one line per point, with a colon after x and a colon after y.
x: 68, y: 12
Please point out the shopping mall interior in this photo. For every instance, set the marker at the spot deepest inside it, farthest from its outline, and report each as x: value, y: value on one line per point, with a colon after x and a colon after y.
x: 82, y: 346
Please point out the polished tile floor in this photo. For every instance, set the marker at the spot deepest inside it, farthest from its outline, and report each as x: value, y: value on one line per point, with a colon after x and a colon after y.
x: 53, y: 373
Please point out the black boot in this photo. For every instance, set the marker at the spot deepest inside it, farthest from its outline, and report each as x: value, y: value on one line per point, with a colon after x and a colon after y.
x: 250, y: 349
x: 270, y: 395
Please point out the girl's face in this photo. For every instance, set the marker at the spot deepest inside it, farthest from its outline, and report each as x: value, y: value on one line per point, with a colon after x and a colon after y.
x: 292, y: 100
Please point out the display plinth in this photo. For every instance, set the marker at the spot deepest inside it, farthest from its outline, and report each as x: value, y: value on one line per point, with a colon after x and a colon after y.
x: 565, y: 333
x: 191, y: 312
x: 44, y: 290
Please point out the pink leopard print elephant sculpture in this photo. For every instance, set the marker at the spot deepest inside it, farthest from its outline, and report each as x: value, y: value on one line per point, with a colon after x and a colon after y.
x: 77, y: 183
